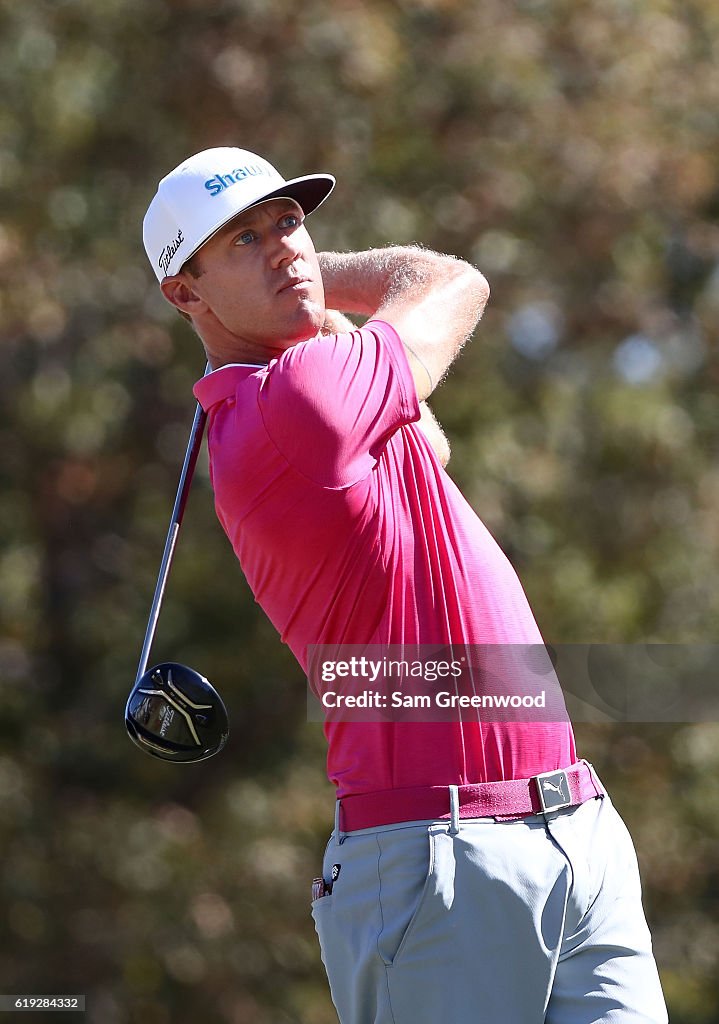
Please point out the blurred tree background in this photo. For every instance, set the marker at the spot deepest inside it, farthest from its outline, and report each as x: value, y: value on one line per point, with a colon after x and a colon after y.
x: 569, y: 149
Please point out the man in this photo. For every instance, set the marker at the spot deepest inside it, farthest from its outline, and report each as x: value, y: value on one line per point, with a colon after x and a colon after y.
x: 477, y: 871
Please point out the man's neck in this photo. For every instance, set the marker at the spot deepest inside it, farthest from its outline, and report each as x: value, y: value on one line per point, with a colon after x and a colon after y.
x: 250, y: 355
x: 221, y: 351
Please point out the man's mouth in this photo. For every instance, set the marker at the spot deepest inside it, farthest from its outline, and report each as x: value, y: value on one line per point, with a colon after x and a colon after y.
x: 294, y: 283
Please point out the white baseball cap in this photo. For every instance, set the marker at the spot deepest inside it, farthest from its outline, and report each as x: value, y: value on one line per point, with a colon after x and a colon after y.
x: 206, y: 191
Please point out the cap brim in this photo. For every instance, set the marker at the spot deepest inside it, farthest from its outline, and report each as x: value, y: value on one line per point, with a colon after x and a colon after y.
x: 309, y: 191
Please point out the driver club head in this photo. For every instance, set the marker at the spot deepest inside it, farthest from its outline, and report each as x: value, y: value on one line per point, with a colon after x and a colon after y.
x: 175, y: 714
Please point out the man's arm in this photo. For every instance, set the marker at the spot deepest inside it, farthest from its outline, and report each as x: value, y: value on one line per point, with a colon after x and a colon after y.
x: 434, y: 302
x: 432, y: 430
x: 335, y: 323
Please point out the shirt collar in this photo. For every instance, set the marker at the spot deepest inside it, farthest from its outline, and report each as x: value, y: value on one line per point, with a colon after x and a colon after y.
x: 220, y: 384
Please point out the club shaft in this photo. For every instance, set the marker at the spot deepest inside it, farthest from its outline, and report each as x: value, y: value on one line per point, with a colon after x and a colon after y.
x: 183, y: 489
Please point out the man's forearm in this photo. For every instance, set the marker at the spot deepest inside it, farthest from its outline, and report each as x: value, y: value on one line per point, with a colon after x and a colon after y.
x: 434, y: 302
x: 360, y: 282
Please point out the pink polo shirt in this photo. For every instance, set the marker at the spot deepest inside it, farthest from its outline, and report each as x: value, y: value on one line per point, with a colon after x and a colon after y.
x: 349, y: 531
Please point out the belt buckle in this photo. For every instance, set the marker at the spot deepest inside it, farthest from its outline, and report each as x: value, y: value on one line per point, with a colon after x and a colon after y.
x: 553, y: 791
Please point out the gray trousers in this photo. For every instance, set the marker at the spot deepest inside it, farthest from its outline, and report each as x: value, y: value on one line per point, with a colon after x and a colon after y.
x: 489, y: 922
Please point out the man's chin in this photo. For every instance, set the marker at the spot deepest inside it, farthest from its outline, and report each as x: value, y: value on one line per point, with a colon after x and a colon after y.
x: 306, y: 326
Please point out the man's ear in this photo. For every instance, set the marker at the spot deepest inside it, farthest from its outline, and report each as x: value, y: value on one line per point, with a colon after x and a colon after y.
x: 178, y: 292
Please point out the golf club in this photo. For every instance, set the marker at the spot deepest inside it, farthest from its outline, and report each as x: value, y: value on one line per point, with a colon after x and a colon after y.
x: 173, y: 712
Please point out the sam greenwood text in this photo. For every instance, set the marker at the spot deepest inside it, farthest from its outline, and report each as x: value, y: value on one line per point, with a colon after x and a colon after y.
x: 441, y: 699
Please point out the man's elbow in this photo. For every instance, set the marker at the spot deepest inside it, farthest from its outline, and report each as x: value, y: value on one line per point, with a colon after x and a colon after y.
x: 478, y: 285
x: 475, y: 292
x: 436, y: 268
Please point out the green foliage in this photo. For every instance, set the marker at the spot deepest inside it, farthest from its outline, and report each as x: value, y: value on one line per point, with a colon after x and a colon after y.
x: 570, y: 150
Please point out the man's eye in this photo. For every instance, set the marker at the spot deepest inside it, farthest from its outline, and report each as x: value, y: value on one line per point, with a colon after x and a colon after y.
x: 245, y: 238
x: 290, y: 220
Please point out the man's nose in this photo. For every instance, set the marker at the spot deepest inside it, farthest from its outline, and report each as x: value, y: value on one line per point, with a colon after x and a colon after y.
x: 284, y: 247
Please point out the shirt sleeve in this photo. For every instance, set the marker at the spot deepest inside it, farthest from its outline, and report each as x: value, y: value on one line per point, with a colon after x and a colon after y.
x: 331, y: 404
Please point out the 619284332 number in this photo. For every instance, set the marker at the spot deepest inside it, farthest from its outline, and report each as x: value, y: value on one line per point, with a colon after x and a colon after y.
x: 42, y: 1002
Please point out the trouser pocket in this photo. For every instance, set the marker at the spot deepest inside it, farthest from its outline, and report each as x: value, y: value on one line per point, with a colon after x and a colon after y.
x: 347, y: 922
x: 405, y: 869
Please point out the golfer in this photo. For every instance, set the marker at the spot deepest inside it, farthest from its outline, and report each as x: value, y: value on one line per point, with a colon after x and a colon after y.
x: 477, y: 871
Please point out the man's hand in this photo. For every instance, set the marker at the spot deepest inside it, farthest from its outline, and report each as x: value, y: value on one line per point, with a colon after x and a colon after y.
x: 434, y: 302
